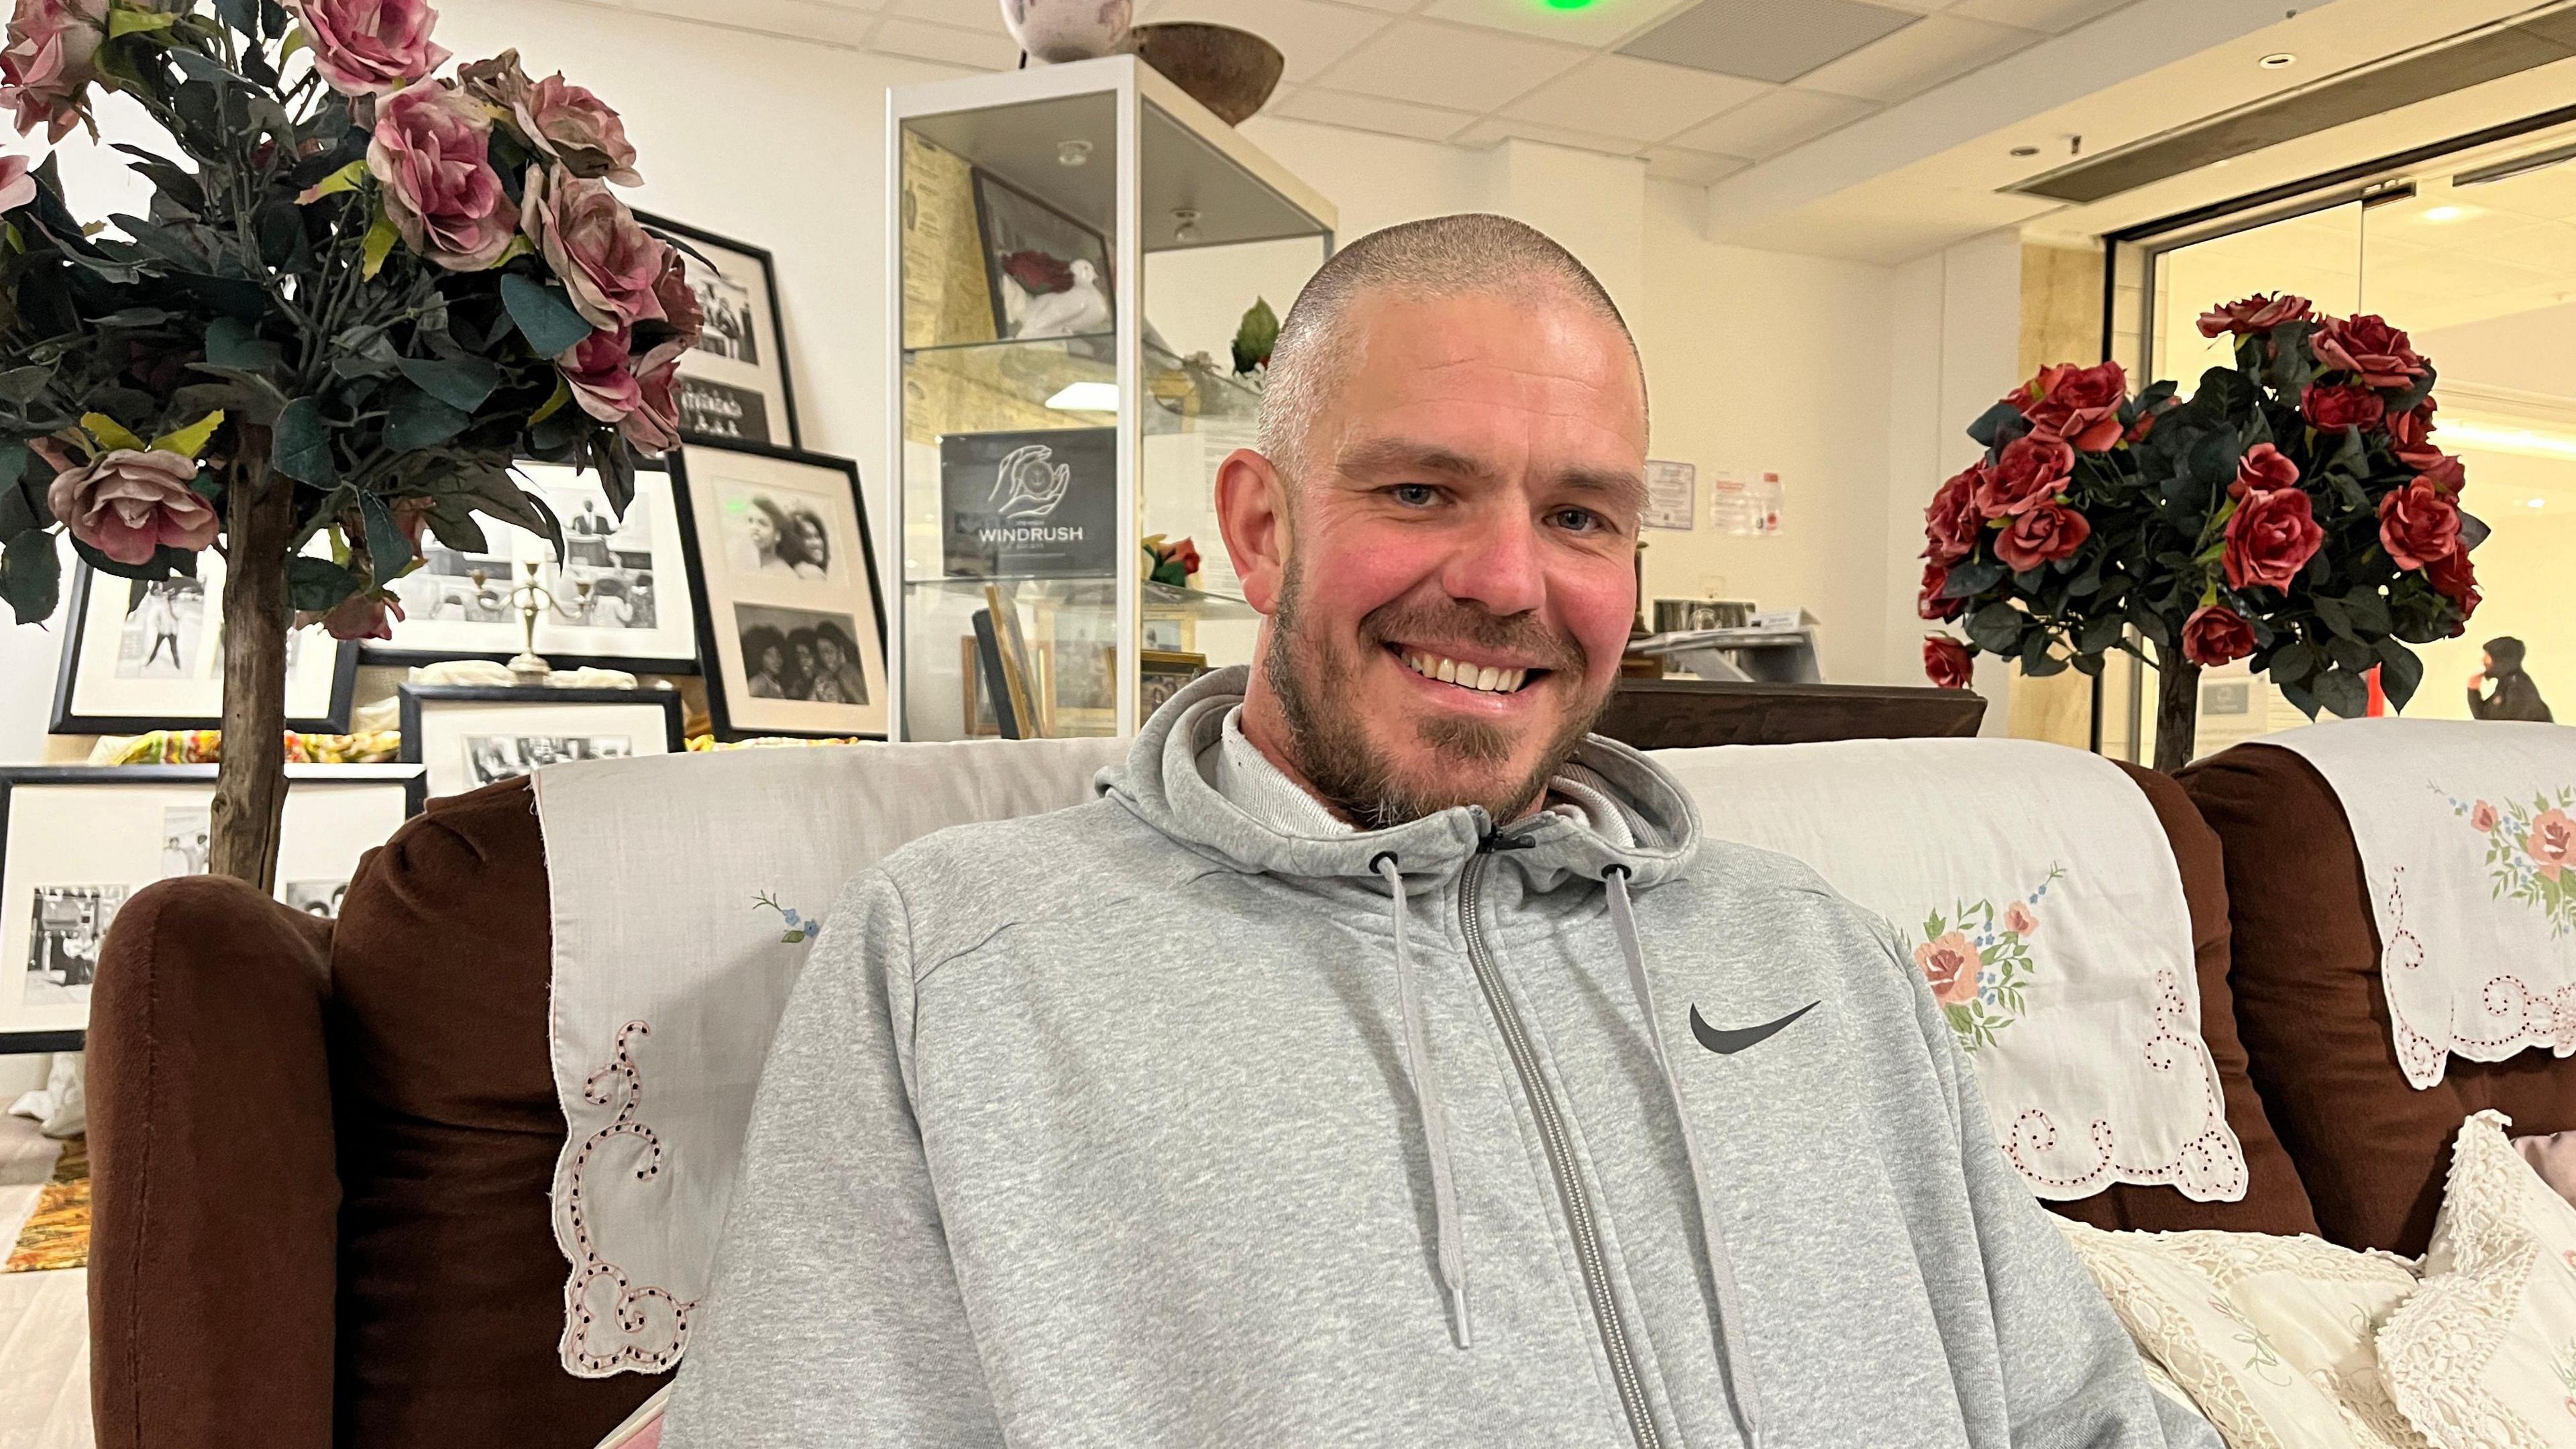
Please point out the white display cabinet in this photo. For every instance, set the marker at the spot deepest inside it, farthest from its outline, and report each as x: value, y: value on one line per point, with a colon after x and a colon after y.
x: 1071, y: 248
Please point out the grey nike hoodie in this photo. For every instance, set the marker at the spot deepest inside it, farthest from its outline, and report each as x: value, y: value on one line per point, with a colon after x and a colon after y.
x: 1147, y: 1123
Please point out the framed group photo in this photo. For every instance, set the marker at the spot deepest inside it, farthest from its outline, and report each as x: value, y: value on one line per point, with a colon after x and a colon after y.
x: 469, y: 736
x: 792, y: 627
x: 618, y: 599
x: 76, y: 843
x: 734, y: 384
x: 149, y: 655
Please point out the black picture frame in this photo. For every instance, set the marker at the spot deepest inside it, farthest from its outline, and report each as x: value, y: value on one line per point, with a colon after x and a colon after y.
x: 681, y: 231
x: 986, y: 182
x: 720, y: 709
x: 413, y: 778
x: 344, y: 685
x: 380, y: 653
x: 413, y: 696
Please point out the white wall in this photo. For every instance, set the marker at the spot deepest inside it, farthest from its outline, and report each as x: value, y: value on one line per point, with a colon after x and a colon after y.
x: 1755, y: 360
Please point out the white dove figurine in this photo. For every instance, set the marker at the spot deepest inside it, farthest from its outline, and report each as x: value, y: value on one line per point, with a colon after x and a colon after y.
x: 1079, y: 309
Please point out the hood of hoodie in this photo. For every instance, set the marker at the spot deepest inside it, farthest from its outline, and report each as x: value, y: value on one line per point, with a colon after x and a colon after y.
x: 1165, y: 785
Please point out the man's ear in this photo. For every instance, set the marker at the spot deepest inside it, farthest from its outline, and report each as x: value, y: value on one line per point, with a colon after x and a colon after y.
x: 1252, y: 513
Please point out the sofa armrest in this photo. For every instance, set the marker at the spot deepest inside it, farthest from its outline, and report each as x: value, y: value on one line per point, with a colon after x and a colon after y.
x: 215, y: 1194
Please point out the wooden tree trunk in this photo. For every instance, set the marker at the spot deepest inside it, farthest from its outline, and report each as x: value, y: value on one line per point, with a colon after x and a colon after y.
x: 250, y: 783
x: 2177, y: 709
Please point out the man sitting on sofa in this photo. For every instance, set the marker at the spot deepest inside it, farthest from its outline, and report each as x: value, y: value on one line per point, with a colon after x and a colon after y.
x: 1383, y: 1060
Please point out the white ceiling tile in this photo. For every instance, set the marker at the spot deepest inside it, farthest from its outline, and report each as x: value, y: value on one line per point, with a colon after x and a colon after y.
x: 1461, y: 66
x: 1768, y: 125
x: 1643, y: 100
x: 1698, y: 168
x: 1369, y: 113
x: 1391, y: 7
x: 1933, y: 49
x: 1603, y: 22
x: 797, y: 18
x: 983, y: 50
x: 2054, y: 16
x: 1312, y: 34
x: 964, y: 14
x: 1503, y: 128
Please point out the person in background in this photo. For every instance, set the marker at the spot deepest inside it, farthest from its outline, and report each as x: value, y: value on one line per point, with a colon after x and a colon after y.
x: 764, y: 662
x: 813, y: 545
x: 2515, y: 696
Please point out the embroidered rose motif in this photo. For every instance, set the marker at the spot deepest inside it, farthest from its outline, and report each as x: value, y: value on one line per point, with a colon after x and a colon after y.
x: 1950, y: 964
x: 2019, y: 920
x: 2531, y: 848
x: 2482, y: 817
x: 2552, y: 842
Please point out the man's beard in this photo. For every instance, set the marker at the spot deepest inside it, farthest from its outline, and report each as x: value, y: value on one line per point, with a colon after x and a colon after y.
x: 1331, y: 749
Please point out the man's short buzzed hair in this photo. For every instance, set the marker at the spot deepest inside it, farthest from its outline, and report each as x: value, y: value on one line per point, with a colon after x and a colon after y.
x: 1443, y: 256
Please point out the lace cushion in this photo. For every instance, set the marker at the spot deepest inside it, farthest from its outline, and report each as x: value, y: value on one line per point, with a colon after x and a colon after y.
x: 2271, y: 1337
x: 2484, y: 1355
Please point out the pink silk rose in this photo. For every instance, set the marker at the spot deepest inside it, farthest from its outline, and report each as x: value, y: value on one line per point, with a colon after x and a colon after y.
x: 2263, y: 466
x: 2270, y: 537
x: 2259, y: 313
x: 605, y: 258
x: 576, y: 128
x: 2045, y: 534
x: 2032, y: 469
x: 1946, y: 662
x: 2552, y: 842
x: 17, y: 184
x: 596, y: 369
x: 129, y: 502
x: 369, y: 47
x: 366, y: 614
x: 2418, y: 524
x: 2079, y: 404
x: 2216, y: 634
x: 2368, y: 346
x: 654, y: 427
x: 432, y: 152
x: 680, y: 310
x: 2019, y: 920
x: 45, y: 72
x: 1951, y: 965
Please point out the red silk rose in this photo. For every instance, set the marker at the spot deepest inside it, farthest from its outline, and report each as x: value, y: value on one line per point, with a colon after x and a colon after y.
x: 2418, y: 524
x: 2215, y: 635
x: 2367, y: 345
x: 2332, y: 409
x: 2043, y: 535
x: 2270, y: 537
x: 1929, y: 602
x: 2079, y: 404
x: 2263, y: 466
x: 1951, y: 520
x: 1946, y: 662
x: 2259, y: 313
x: 2437, y: 467
x: 2456, y: 579
x: 2411, y: 428
x: 2032, y: 470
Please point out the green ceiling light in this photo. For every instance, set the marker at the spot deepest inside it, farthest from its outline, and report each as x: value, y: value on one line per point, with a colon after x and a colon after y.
x: 1569, y: 4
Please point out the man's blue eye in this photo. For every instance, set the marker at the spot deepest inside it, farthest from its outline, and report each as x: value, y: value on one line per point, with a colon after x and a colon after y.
x: 1577, y: 520
x: 1415, y: 495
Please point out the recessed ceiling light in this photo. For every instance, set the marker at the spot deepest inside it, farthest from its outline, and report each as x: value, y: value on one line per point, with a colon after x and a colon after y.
x: 2443, y: 213
x: 2278, y: 60
x: 1568, y: 4
x: 2025, y: 150
x: 2535, y: 503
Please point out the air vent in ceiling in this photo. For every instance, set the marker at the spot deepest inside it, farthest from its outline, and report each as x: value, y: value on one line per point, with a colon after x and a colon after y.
x: 2491, y: 55
x: 1766, y: 40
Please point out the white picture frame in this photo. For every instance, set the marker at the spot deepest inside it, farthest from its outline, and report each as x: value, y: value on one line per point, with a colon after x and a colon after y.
x: 144, y: 656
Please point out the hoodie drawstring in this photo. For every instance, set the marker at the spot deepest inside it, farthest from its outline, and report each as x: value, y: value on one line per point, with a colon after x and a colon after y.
x: 1450, y: 1247
x: 1732, y: 1355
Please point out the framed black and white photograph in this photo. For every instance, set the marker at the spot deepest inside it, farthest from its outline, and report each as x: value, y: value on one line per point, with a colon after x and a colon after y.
x: 618, y: 599
x: 469, y: 736
x: 734, y: 384
x: 141, y: 655
x: 1050, y: 274
x: 792, y: 624
x: 77, y: 842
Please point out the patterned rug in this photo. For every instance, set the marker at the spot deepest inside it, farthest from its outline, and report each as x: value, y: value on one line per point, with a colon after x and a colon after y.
x: 57, y: 1232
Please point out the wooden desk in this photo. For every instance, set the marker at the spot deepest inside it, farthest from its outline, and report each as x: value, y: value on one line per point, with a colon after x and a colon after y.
x: 1664, y: 714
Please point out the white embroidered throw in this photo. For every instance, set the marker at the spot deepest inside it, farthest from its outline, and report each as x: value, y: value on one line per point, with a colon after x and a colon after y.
x: 2037, y: 893
x: 2467, y: 833
x: 686, y: 890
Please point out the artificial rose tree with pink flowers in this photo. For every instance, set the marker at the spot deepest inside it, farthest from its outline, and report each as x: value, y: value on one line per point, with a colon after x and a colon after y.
x: 361, y: 291
x: 2293, y: 512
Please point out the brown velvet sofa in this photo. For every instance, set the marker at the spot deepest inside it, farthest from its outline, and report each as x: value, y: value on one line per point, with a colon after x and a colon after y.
x: 322, y: 1152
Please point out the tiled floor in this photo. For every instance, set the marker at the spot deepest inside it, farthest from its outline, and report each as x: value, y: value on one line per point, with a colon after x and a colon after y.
x: 44, y: 1317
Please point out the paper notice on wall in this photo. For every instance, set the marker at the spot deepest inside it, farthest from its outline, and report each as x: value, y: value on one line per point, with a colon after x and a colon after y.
x: 1745, y: 505
x: 1672, y: 495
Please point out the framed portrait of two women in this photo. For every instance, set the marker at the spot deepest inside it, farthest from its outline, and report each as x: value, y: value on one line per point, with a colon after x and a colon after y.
x: 790, y: 619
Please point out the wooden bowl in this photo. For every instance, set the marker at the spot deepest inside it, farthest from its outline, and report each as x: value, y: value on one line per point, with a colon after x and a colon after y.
x: 1231, y: 72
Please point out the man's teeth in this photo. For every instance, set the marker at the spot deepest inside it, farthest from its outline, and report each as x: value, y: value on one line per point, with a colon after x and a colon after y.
x: 1466, y: 676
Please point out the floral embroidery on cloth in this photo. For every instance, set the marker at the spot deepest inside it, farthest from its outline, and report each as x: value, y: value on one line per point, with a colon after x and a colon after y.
x: 1978, y: 961
x: 2530, y: 849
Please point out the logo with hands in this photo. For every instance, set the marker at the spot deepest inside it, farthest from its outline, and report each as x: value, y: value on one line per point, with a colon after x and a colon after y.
x: 1028, y: 485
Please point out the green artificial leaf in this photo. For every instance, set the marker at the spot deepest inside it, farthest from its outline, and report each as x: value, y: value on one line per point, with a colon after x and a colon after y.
x: 617, y: 480
x: 316, y: 584
x: 494, y: 491
x: 166, y: 562
x: 17, y: 512
x: 24, y: 384
x: 175, y: 185
x: 233, y: 343
x: 2292, y: 663
x: 234, y: 296
x: 2344, y: 692
x: 295, y: 40
x: 379, y: 242
x: 109, y: 433
x: 415, y: 420
x: 2369, y: 610
x: 389, y: 551
x: 2351, y: 654
x: 241, y: 15
x: 2337, y: 618
x: 1972, y: 576
x: 201, y: 67
x: 452, y: 524
x: 553, y: 403
x: 1998, y: 425
x: 121, y: 21
x: 1996, y: 628
x: 2036, y: 660
x: 189, y: 441
x: 460, y: 382
x: 129, y: 318
x: 347, y: 178
x: 544, y: 316
x: 2473, y: 531
x: 300, y: 445
x: 31, y: 575
x: 2400, y: 673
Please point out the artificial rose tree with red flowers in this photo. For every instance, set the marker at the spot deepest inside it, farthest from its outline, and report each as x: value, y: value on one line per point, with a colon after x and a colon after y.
x: 2294, y: 512
x: 359, y: 293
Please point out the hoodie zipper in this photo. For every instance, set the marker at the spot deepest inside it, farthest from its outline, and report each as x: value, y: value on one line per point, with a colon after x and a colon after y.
x: 1560, y: 1148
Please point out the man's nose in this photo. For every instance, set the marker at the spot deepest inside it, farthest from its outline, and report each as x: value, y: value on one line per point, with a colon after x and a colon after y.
x: 1499, y: 567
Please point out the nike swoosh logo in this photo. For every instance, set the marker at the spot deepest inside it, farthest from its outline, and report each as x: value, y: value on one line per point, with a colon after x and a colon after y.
x: 1727, y: 1042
